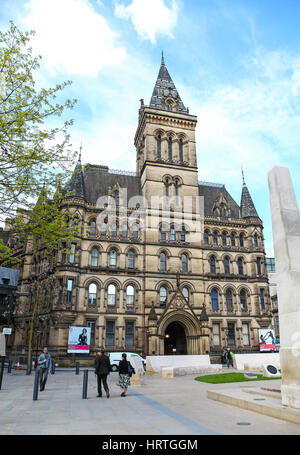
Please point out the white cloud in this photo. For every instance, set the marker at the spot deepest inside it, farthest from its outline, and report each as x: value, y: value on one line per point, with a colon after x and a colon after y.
x: 253, y: 122
x: 150, y: 17
x: 72, y: 37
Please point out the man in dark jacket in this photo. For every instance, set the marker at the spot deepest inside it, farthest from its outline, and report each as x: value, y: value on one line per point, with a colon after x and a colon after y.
x: 102, y: 368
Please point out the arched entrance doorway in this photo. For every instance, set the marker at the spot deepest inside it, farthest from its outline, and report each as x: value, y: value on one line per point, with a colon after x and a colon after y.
x: 175, y: 339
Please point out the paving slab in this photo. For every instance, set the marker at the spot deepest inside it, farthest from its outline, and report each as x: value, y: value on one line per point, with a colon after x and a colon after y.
x: 177, y: 406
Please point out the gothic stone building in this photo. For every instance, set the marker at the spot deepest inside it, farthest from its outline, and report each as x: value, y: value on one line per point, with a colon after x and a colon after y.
x: 154, y: 291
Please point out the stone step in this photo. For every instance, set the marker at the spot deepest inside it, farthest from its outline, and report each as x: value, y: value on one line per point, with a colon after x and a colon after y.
x: 269, y: 406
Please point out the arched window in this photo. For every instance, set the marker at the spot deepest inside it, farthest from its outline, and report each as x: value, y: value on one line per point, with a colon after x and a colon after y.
x: 224, y: 237
x: 92, y: 227
x: 163, y: 262
x: 182, y: 235
x: 228, y: 297
x: 186, y: 294
x: 159, y: 147
x: 176, y: 188
x: 135, y: 232
x: 184, y: 262
x: 116, y: 198
x: 170, y: 149
x: 103, y: 228
x: 243, y: 300
x: 212, y: 261
x: 214, y: 299
x: 232, y: 239
x: 163, y: 295
x: 130, y: 295
x: 240, y: 266
x: 206, y: 237
x: 111, y: 294
x: 94, y: 257
x: 226, y: 265
x: 131, y: 259
x: 181, y: 151
x: 241, y: 239
x: 92, y: 294
x: 162, y: 233
x: 172, y: 234
x: 255, y: 240
x: 262, y: 299
x: 113, y: 258
x: 223, y: 211
x: 215, y: 238
x: 124, y: 230
x: 258, y: 266
x: 167, y: 184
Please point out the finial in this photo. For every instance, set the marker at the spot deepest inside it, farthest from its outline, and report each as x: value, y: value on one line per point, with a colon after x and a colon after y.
x: 79, y: 158
x: 162, y: 58
x: 244, y: 183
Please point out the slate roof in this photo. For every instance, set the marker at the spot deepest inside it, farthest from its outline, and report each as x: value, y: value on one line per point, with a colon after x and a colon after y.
x: 211, y: 193
x: 164, y: 84
x: 247, y: 206
x: 98, y: 179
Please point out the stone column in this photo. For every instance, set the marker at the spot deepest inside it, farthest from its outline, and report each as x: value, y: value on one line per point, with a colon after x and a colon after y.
x: 286, y: 236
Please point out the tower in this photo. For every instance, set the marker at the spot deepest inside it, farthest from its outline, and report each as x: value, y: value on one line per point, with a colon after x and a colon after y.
x: 165, y: 142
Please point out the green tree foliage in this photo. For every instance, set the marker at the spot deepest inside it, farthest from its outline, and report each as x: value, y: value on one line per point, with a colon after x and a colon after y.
x: 35, y: 159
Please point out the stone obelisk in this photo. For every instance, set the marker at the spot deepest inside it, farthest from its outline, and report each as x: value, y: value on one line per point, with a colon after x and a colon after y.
x: 286, y: 237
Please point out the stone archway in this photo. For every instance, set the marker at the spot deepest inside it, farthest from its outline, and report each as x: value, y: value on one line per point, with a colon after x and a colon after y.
x: 175, y: 339
x: 179, y: 322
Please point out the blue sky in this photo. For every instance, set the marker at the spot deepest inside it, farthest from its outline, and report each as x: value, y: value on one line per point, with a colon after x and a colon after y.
x: 236, y: 65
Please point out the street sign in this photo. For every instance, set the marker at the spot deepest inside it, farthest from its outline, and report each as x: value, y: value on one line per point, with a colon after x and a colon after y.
x: 7, y: 331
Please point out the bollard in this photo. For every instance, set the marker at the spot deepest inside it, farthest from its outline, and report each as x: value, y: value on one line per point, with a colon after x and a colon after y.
x: 9, y: 366
x: 85, y: 384
x: 53, y: 367
x: 36, y: 385
x: 1, y: 371
x: 77, y: 368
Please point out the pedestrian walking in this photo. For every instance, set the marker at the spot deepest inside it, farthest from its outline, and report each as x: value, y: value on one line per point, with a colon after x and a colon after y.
x: 229, y: 357
x: 102, y: 369
x: 45, y: 365
x: 125, y: 372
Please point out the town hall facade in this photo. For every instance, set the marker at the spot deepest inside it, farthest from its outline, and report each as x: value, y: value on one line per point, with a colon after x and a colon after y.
x: 167, y: 289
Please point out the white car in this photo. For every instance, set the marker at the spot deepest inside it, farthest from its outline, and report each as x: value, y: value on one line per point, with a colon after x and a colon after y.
x: 116, y: 357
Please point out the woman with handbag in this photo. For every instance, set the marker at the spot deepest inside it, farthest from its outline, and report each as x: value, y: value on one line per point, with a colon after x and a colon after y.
x: 125, y: 372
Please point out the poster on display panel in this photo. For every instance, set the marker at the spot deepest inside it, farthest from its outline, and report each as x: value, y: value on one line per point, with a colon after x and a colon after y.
x: 79, y: 340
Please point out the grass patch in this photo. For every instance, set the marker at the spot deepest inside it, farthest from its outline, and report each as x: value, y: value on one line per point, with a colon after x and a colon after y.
x: 230, y: 377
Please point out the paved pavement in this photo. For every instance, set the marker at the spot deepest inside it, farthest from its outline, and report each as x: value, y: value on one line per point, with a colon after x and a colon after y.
x: 176, y: 406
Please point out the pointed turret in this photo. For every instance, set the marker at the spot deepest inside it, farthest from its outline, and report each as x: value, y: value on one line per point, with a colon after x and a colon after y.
x: 165, y: 95
x: 247, y: 206
x: 77, y: 182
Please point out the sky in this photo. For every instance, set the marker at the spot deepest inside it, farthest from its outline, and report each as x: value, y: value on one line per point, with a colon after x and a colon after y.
x: 235, y: 63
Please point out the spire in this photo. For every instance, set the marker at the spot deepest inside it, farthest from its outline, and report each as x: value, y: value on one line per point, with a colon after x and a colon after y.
x: 77, y: 181
x: 165, y: 89
x: 247, y: 206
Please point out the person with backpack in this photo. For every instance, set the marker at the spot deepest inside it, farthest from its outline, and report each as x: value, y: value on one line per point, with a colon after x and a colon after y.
x: 125, y: 372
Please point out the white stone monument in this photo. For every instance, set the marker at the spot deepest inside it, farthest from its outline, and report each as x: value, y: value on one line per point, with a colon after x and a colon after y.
x: 286, y: 236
